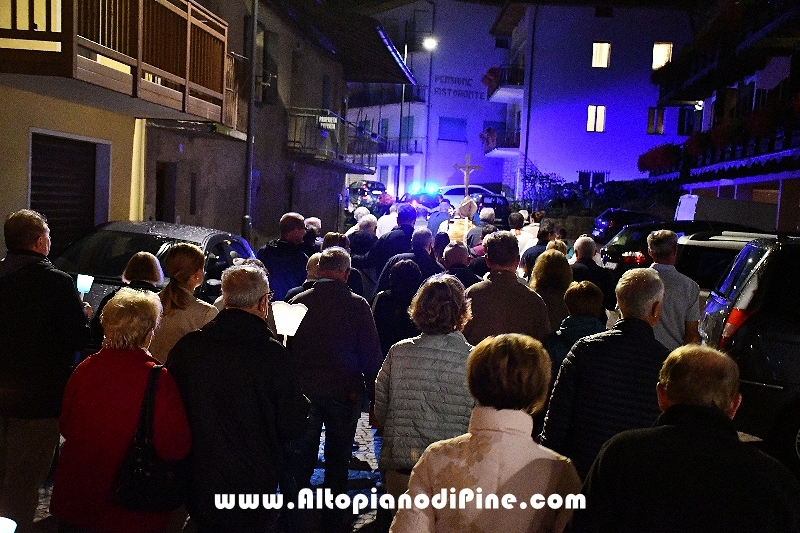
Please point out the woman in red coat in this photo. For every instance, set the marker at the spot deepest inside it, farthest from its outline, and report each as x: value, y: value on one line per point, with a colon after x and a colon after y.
x: 99, y: 416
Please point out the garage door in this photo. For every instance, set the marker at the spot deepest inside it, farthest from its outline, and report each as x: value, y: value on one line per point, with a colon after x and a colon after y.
x: 63, y: 186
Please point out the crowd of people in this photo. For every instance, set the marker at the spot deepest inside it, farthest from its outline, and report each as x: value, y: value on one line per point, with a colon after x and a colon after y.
x: 489, y: 360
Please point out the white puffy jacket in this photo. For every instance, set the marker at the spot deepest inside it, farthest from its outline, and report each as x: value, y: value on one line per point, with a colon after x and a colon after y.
x: 421, y: 396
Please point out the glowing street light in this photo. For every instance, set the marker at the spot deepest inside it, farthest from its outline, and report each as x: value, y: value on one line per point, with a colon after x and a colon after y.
x: 430, y: 43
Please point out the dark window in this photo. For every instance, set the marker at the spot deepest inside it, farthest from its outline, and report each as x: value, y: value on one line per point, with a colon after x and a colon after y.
x: 266, y: 52
x: 705, y: 265
x: 655, y: 121
x: 689, y: 120
x: 452, y: 129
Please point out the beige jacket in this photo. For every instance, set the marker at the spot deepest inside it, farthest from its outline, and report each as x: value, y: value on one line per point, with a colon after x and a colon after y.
x: 498, y: 456
x: 177, y: 324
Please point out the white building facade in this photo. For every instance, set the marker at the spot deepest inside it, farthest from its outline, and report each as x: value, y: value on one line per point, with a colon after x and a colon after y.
x: 444, y: 115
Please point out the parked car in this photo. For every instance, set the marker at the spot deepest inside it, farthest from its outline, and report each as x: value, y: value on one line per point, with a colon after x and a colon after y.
x: 104, y: 252
x: 752, y: 314
x: 612, y: 220
x: 706, y: 256
x: 628, y: 248
x: 497, y: 202
x: 455, y: 193
x: 365, y: 193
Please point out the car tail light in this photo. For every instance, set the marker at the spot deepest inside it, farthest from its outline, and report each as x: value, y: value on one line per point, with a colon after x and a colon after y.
x: 736, y: 318
x: 634, y: 258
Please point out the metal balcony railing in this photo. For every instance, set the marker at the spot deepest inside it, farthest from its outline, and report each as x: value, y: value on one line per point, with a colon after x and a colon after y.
x: 169, y: 52
x: 372, y: 94
x: 505, y: 76
x: 322, y: 136
x: 493, y: 139
x: 412, y: 145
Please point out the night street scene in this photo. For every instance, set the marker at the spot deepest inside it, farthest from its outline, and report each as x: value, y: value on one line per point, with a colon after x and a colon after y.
x: 311, y: 266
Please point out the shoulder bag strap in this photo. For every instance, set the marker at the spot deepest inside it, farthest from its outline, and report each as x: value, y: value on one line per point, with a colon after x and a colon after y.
x: 144, y: 431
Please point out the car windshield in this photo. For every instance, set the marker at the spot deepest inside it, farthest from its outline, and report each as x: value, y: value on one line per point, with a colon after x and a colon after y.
x: 105, y: 253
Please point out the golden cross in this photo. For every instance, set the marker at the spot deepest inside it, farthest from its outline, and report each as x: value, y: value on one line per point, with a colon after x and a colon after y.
x: 466, y: 169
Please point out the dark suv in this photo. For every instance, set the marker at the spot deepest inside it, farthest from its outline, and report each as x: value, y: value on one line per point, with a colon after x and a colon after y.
x: 612, y: 220
x: 628, y: 248
x: 497, y: 202
x: 753, y: 315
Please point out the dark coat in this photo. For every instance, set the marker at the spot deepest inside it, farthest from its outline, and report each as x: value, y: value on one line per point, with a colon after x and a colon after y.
x: 243, y: 401
x: 467, y: 277
x: 43, y: 325
x: 606, y: 384
x: 572, y: 328
x: 427, y: 264
x: 96, y: 326
x: 397, y: 241
x: 286, y: 264
x: 307, y: 284
x: 336, y: 348
x: 529, y: 256
x: 690, y: 474
x: 390, y: 310
x: 361, y: 242
x: 558, y: 345
x: 587, y: 270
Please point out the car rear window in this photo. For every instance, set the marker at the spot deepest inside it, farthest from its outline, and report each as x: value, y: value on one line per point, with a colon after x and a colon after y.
x: 705, y: 265
x: 745, y: 262
x: 105, y: 253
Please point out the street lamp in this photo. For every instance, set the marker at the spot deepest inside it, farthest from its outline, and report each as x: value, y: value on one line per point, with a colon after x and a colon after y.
x: 400, y: 129
x: 430, y: 44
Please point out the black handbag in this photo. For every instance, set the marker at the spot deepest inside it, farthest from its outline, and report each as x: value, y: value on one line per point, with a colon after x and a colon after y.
x: 145, y: 481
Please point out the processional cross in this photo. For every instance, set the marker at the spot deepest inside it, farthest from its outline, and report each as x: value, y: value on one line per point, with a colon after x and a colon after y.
x: 466, y: 169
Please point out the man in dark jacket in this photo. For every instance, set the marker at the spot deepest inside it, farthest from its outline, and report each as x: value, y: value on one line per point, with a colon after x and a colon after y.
x: 284, y: 259
x: 530, y: 254
x: 397, y: 241
x: 605, y: 384
x: 456, y: 261
x: 586, y: 269
x: 42, y: 324
x: 690, y: 472
x: 338, y: 357
x: 243, y: 401
x: 421, y: 248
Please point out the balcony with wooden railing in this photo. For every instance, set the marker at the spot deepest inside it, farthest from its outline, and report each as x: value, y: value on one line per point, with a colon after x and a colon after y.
x: 322, y: 137
x: 168, y: 52
x: 738, y: 42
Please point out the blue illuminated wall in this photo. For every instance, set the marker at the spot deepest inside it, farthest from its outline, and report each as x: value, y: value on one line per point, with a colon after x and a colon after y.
x: 565, y: 84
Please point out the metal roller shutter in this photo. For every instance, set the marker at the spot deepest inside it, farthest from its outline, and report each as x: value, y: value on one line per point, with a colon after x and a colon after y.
x: 63, y: 186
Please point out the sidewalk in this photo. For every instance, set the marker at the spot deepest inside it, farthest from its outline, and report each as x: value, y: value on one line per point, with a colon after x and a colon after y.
x: 363, y: 477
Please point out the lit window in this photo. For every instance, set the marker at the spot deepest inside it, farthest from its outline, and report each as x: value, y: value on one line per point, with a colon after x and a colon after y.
x: 596, y: 120
x: 655, y: 121
x: 662, y: 54
x: 601, y: 55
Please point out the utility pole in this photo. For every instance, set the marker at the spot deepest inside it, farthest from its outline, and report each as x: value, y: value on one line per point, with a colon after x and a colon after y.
x: 400, y: 128
x: 247, y: 223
